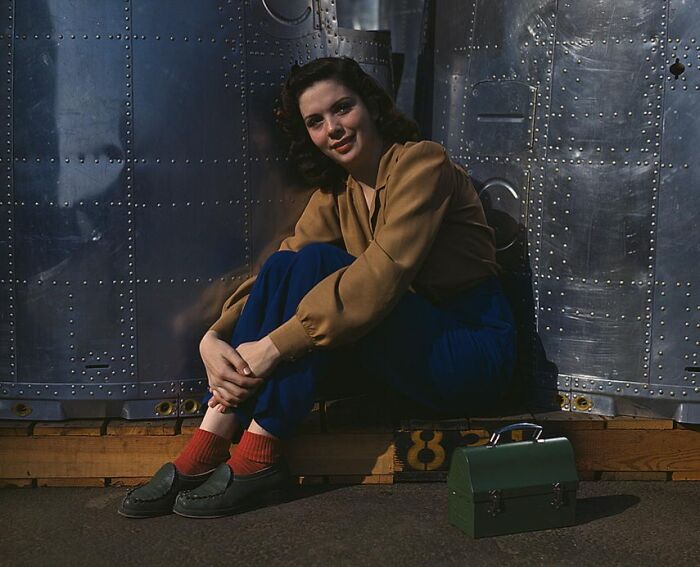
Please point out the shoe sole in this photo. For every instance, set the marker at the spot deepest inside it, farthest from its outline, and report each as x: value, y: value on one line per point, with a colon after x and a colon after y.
x: 137, y: 515
x: 277, y: 496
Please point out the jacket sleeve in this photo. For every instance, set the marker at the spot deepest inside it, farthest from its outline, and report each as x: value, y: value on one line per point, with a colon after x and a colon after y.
x: 318, y: 223
x: 345, y: 305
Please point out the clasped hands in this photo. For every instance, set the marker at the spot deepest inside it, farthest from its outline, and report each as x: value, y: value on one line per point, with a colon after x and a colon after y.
x: 235, y: 374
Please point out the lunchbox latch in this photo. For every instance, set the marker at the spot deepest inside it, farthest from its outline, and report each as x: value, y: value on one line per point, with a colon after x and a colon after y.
x: 558, y: 498
x: 494, y: 503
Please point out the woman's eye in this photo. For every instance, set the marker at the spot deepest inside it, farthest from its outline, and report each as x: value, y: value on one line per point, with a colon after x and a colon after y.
x: 343, y: 108
x: 312, y: 123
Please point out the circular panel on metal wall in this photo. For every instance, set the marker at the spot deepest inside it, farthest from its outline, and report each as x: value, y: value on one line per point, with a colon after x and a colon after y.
x: 286, y: 19
x: 502, y: 207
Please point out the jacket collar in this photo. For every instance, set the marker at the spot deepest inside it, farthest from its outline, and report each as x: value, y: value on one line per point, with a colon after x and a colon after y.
x: 385, y: 167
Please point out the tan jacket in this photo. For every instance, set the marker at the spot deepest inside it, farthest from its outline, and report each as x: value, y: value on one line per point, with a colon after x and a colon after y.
x: 430, y: 236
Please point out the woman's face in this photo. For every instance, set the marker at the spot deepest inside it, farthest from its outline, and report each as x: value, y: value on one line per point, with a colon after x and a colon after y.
x: 340, y: 124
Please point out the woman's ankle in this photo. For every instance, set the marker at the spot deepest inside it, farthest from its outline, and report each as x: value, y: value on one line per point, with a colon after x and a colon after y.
x: 204, y: 452
x: 221, y: 424
x: 257, y: 429
x: 254, y: 453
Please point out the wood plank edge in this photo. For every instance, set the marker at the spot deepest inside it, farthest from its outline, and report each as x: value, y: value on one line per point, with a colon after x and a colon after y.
x: 71, y: 428
x: 685, y: 475
x: 17, y: 483
x: 100, y: 482
x: 635, y: 475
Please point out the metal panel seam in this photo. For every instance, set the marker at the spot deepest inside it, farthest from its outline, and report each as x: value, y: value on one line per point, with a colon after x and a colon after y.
x: 11, y: 192
x: 130, y: 184
x: 545, y: 143
x: 246, y: 152
x: 657, y: 186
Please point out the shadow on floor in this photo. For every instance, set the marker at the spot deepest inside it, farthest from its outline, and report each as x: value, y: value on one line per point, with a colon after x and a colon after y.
x: 597, y: 507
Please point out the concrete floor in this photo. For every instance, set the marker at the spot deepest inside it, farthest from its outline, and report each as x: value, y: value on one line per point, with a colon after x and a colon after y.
x: 619, y: 523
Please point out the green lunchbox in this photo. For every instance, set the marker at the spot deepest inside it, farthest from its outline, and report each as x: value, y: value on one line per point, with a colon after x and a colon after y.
x: 513, y: 487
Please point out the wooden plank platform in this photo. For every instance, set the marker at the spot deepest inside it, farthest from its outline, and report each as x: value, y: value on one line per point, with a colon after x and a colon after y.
x: 333, y: 447
x: 621, y: 448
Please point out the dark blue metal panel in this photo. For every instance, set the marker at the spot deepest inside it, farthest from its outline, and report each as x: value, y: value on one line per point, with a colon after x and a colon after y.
x: 188, y: 239
x: 101, y: 345
x: 277, y: 34
x: 43, y: 343
x: 144, y: 141
x: 186, y: 116
x: 72, y: 292
x: 7, y: 270
x: 55, y: 82
x: 7, y: 332
x: 161, y: 183
x: 70, y: 203
x: 282, y: 19
x: 173, y: 317
x: 58, y: 237
x: 79, y: 18
x: 209, y: 21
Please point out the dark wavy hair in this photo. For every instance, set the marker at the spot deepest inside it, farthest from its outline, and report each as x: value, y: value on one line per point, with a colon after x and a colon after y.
x: 316, y: 168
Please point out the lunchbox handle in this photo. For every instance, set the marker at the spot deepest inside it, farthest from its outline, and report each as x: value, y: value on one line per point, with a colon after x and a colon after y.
x: 495, y: 436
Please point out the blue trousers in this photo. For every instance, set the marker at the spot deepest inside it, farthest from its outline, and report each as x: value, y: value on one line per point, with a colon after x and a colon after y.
x: 457, y: 356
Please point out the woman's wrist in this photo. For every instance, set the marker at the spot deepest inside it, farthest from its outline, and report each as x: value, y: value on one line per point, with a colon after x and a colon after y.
x: 271, y: 348
x: 212, y: 333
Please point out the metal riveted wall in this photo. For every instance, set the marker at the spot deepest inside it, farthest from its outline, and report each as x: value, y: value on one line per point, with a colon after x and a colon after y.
x: 144, y: 180
x: 8, y: 338
x: 572, y: 122
x: 72, y: 233
x: 597, y: 234
x: 404, y: 18
x: 674, y: 365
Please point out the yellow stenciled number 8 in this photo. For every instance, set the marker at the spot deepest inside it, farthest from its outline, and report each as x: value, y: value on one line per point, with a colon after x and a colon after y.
x: 420, y: 444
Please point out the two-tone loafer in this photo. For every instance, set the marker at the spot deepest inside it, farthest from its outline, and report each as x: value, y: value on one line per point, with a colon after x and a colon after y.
x: 227, y: 493
x: 157, y: 496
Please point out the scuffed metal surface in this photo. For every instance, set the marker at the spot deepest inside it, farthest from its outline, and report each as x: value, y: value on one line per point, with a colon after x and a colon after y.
x: 605, y: 185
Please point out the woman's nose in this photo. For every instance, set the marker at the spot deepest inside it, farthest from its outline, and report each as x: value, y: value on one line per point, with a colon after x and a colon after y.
x: 333, y: 126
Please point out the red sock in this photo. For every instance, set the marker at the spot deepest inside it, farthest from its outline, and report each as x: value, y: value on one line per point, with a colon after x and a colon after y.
x: 254, y: 453
x: 204, y: 452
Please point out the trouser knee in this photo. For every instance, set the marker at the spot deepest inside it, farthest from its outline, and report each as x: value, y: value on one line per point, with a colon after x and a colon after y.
x: 320, y: 254
x: 278, y: 263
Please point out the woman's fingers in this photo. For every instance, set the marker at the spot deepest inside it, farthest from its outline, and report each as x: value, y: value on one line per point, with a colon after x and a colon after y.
x: 221, y: 358
x: 231, y: 393
x: 221, y: 408
x: 231, y: 355
x: 215, y: 399
x: 220, y: 401
x: 224, y: 372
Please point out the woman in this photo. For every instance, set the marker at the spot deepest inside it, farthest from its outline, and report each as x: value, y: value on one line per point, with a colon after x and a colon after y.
x: 392, y: 258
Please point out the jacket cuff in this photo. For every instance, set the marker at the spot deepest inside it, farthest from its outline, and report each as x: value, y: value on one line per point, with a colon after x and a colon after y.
x: 224, y: 325
x: 292, y: 340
